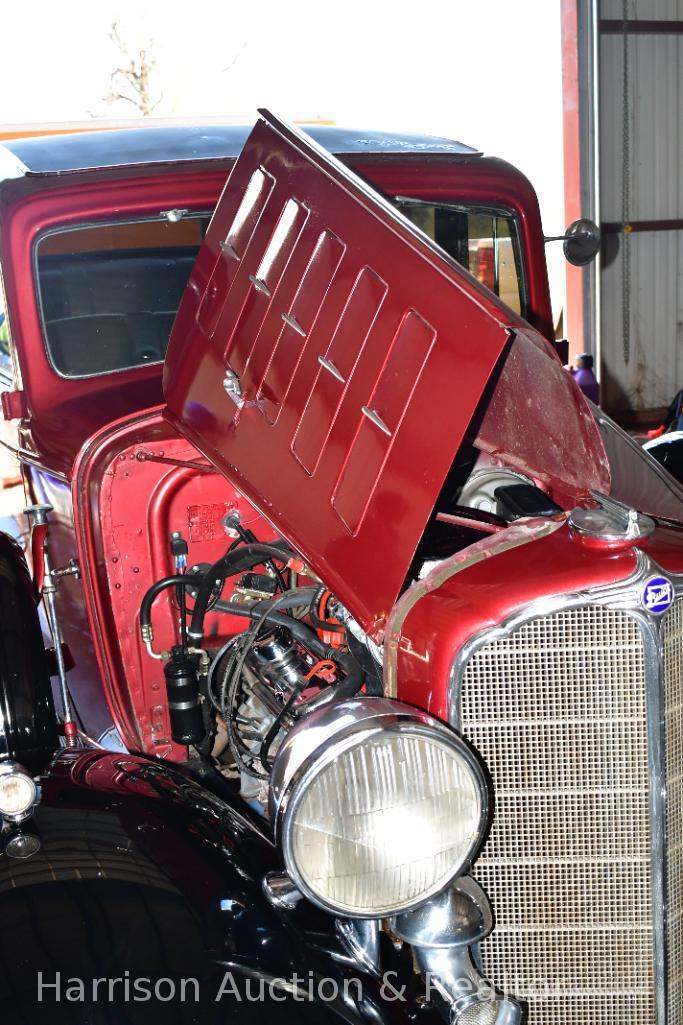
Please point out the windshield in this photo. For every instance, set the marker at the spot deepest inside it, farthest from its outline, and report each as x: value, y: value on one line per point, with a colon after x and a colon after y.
x: 637, y: 479
x: 108, y: 293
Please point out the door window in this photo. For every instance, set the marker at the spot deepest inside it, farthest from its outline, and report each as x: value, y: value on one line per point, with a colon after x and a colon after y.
x: 483, y: 241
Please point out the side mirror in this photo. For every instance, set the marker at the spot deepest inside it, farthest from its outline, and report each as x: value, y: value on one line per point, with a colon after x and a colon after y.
x: 581, y: 242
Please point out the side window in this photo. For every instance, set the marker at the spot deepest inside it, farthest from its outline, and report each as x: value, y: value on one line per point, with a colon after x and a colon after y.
x: 108, y: 293
x: 492, y: 257
x: 484, y: 242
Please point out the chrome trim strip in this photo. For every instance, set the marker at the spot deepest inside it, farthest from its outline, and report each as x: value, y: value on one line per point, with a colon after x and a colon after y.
x: 329, y: 365
x: 229, y: 250
x: 515, y: 536
x: 361, y: 939
x: 376, y: 419
x: 624, y: 596
x: 656, y: 752
x: 31, y: 459
x: 260, y: 285
x: 293, y: 323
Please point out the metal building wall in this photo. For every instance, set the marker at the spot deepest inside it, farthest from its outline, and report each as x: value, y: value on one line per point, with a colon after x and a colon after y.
x: 581, y: 194
x: 640, y: 152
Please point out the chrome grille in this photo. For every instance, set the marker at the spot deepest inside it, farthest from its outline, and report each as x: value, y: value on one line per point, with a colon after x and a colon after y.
x: 672, y: 637
x: 557, y: 710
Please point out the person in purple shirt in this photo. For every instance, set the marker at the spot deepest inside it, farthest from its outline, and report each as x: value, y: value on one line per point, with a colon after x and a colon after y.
x: 582, y: 372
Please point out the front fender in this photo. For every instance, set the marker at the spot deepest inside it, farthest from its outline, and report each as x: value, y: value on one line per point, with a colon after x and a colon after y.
x: 142, y: 876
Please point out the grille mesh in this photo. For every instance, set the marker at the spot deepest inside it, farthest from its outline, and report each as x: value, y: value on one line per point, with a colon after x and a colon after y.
x: 672, y: 634
x: 557, y: 711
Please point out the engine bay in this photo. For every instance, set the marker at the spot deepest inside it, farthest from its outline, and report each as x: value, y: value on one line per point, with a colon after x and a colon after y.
x: 236, y: 638
x: 233, y: 700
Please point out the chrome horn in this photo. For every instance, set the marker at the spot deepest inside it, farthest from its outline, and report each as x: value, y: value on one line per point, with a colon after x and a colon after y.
x: 442, y: 933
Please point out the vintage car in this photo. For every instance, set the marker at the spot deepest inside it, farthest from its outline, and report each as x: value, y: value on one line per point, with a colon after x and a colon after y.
x: 367, y: 628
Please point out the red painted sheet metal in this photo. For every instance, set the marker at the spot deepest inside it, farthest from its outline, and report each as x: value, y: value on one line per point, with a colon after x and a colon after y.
x: 539, y: 422
x: 64, y: 412
x: 361, y: 352
x: 123, y: 468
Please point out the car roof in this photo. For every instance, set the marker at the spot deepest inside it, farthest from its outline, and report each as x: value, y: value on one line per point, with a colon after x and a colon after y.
x: 75, y: 152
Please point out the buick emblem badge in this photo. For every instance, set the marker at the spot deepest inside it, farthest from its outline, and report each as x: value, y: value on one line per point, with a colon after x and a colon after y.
x: 658, y: 595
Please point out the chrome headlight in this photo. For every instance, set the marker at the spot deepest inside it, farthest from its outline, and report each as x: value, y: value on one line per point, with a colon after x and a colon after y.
x: 376, y: 806
x: 18, y: 792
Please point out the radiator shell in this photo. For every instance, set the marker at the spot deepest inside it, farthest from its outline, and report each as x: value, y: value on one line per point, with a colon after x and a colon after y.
x: 574, y: 702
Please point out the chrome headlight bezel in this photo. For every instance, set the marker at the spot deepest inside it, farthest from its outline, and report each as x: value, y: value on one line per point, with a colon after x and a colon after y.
x: 324, y: 735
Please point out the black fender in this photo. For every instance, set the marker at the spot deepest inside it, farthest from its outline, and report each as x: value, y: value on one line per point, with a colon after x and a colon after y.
x: 143, y: 874
x: 28, y: 727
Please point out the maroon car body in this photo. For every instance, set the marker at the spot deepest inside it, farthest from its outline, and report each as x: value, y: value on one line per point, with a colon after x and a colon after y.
x: 66, y: 182
x: 344, y: 385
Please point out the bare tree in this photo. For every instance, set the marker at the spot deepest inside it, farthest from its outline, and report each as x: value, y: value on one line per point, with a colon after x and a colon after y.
x: 133, y: 81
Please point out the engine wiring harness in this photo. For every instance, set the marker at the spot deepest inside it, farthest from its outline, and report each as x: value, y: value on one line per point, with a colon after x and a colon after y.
x: 292, y: 657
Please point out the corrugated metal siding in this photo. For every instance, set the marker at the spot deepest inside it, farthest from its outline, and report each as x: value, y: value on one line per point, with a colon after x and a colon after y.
x: 655, y: 95
x: 655, y: 368
x: 666, y: 10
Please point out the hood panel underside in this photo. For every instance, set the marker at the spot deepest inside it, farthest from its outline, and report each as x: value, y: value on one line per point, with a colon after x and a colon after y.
x: 361, y: 353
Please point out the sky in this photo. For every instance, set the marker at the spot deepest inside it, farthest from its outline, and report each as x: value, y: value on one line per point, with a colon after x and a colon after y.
x: 486, y: 72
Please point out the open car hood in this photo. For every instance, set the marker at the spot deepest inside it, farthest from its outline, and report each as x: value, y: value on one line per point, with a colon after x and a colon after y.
x: 329, y: 360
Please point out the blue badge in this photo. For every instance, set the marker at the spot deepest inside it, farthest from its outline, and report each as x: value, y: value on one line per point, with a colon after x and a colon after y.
x: 658, y: 595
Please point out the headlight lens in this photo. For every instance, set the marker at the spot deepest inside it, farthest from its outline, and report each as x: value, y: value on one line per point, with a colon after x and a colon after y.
x: 384, y: 813
x: 18, y: 792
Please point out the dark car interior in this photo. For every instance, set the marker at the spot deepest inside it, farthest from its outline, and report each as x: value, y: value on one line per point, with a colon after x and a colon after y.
x: 109, y: 310
x: 109, y: 292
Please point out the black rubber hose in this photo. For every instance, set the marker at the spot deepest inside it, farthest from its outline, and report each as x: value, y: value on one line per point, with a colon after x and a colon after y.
x: 249, y: 537
x: 293, y: 599
x: 178, y: 580
x: 353, y: 681
x: 181, y: 597
x: 247, y: 556
x: 236, y: 561
x: 318, y: 623
x: 276, y: 725
x: 300, y: 631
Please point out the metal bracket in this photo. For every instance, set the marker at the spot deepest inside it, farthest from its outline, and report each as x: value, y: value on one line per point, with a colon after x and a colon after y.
x: 72, y: 569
